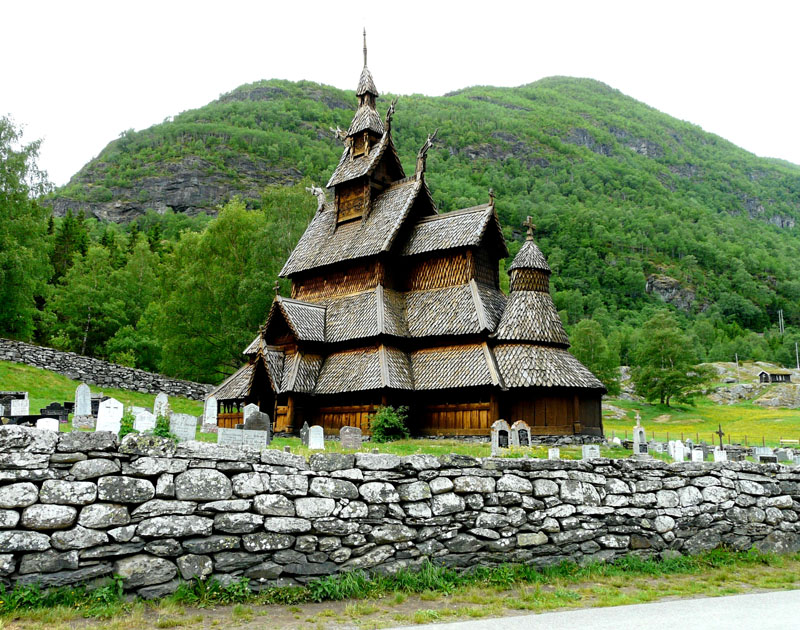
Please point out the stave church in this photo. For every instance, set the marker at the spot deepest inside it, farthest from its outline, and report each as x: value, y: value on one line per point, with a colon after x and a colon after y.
x: 394, y: 303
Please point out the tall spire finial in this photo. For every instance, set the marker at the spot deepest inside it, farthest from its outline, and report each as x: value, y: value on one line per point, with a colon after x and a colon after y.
x: 531, y: 227
x: 365, y: 46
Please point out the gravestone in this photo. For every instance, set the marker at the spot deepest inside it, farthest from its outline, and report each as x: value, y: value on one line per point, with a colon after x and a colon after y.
x: 698, y: 454
x: 720, y: 455
x: 678, y: 451
x: 56, y: 410
x: 590, y: 452
x: 350, y: 438
x: 316, y: 438
x: 304, y: 434
x: 501, y: 436
x: 143, y: 420
x: 255, y: 419
x: 243, y: 437
x: 183, y: 426
x: 520, y: 434
x: 655, y: 447
x: 210, y: 410
x: 783, y: 455
x: 639, y: 439
x: 47, y: 424
x: 20, y: 406
x: 766, y: 459
x: 736, y: 455
x: 762, y: 450
x: 96, y: 399
x: 109, y: 415
x: 161, y: 406
x: 83, y: 400
x: 553, y: 453
x: 616, y: 442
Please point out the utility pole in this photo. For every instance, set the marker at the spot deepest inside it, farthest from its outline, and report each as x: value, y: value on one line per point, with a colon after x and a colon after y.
x: 738, y: 380
x: 796, y: 356
x: 780, y: 320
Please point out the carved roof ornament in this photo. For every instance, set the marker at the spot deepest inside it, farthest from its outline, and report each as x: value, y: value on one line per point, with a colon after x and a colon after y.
x: 390, y: 114
x: 277, y: 289
x: 531, y: 227
x: 491, y: 197
x: 319, y: 193
x: 422, y: 155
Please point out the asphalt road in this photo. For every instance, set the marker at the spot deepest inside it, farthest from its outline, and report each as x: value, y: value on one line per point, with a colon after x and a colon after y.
x: 758, y: 611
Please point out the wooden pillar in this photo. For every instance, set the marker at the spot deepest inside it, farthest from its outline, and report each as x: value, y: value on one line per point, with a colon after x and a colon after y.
x: 494, y: 409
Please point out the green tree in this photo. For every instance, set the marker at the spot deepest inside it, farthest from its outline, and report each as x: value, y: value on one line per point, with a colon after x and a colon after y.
x: 24, y: 264
x: 87, y: 306
x: 589, y: 346
x: 70, y: 239
x: 664, y: 358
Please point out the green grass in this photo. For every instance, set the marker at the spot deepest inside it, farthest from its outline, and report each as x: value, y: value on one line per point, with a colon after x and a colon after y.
x: 738, y: 420
x: 44, y: 387
x: 478, y: 592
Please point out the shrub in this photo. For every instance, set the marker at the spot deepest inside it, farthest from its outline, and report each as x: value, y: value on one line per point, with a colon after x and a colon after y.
x: 162, y: 429
x: 126, y: 424
x: 389, y: 424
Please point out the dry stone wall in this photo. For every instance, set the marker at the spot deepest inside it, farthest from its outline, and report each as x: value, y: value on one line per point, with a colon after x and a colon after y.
x: 80, y: 507
x: 98, y: 372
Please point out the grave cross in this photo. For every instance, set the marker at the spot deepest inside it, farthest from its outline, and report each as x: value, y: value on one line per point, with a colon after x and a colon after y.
x: 720, y: 433
x: 531, y: 227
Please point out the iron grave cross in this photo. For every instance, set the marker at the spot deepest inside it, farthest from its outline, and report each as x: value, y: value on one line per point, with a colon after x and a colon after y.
x: 720, y: 433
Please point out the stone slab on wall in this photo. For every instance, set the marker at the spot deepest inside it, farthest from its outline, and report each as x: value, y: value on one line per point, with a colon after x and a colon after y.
x: 79, y: 506
x: 98, y: 372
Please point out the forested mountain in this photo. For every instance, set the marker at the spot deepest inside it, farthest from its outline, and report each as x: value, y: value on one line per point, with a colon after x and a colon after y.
x: 633, y: 208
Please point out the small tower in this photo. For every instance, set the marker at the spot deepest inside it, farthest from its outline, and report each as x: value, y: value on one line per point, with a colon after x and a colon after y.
x: 530, y: 314
x: 369, y: 163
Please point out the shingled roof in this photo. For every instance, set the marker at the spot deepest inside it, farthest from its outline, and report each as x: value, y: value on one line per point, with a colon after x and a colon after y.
x: 462, y: 228
x: 324, y: 244
x: 529, y: 257
x: 237, y: 385
x: 350, y: 168
x: 525, y: 365
x: 531, y: 316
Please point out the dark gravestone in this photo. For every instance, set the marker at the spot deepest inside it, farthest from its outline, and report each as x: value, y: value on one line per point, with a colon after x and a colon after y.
x: 304, y: 434
x: 524, y: 438
x: 55, y: 410
x: 502, y: 439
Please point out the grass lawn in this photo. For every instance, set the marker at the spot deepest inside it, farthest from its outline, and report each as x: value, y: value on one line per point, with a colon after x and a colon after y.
x: 433, y: 594
x: 44, y: 387
x: 738, y: 420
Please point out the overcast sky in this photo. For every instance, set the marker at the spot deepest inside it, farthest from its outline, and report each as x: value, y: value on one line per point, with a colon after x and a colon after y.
x: 78, y: 73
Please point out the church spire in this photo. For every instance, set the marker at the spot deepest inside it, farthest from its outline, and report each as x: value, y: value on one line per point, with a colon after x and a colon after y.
x: 367, y: 117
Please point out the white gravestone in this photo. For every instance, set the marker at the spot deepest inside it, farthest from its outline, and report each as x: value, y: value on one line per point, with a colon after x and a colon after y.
x: 698, y: 455
x: 109, y: 415
x: 83, y: 400
x: 143, y: 420
x: 639, y: 440
x: 615, y: 441
x: 161, y: 406
x: 183, y: 426
x: 243, y: 437
x: 554, y: 453
x: 501, y: 436
x: 316, y: 438
x: 720, y: 455
x: 590, y: 452
x: 210, y: 414
x: 20, y: 406
x: 47, y: 424
x: 678, y: 452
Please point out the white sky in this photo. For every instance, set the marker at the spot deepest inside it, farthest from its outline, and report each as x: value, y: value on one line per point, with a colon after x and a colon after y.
x: 78, y: 73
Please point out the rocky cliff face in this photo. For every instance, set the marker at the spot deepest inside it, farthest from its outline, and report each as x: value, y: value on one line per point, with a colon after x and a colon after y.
x: 670, y: 291
x: 191, y: 186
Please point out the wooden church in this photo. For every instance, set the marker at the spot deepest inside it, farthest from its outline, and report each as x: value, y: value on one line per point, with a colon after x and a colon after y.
x: 393, y: 303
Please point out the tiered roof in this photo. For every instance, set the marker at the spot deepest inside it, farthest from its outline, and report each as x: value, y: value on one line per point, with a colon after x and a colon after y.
x: 462, y: 335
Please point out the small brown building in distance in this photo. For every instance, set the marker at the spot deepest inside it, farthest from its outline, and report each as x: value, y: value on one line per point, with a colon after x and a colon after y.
x: 775, y: 376
x: 395, y: 304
